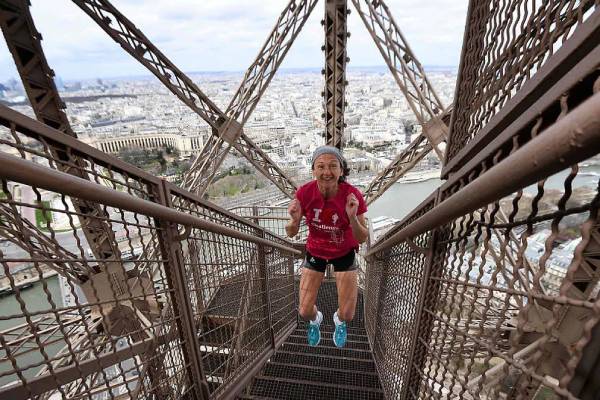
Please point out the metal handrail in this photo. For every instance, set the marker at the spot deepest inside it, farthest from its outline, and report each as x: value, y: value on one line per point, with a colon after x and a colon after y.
x: 570, y: 140
x: 30, y: 173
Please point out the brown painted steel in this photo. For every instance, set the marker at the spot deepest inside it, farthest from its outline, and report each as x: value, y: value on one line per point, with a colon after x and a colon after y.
x: 420, y: 95
x: 574, y: 60
x: 570, y: 140
x: 171, y: 251
x: 336, y: 35
x: 403, y: 163
x: 137, y: 45
x: 27, y: 172
x: 404, y: 66
x: 253, y: 85
x: 505, y: 45
x: 245, y: 379
x: 24, y: 43
x: 42, y: 384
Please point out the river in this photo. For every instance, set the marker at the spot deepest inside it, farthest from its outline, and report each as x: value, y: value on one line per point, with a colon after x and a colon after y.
x: 401, y: 198
x: 34, y: 299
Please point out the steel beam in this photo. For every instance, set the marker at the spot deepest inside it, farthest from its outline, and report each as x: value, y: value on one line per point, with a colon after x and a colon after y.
x: 24, y: 43
x: 406, y: 70
x: 41, y: 384
x: 418, y: 91
x: 405, y: 161
x: 227, y: 126
x: 19, y: 170
x: 574, y: 62
x: 570, y: 140
x: 40, y: 247
x: 336, y: 34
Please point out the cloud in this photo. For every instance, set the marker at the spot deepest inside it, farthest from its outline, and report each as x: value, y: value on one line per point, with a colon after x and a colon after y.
x: 227, y: 34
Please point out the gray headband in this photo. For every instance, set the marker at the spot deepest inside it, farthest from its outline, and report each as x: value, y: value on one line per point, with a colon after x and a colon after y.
x: 328, y: 150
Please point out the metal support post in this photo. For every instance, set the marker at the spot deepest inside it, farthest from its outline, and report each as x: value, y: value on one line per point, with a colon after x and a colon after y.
x: 182, y: 307
x: 336, y: 33
x: 263, y: 275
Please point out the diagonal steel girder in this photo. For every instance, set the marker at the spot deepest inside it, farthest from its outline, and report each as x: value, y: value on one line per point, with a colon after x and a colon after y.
x: 400, y: 165
x: 412, y: 81
x: 336, y: 34
x: 253, y: 85
x: 407, y: 159
x: 24, y: 43
x: 226, y: 126
x: 404, y: 66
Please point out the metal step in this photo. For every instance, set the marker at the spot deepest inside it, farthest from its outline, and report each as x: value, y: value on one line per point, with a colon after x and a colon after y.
x: 327, y: 340
x: 342, y: 377
x: 323, y: 350
x: 320, y: 361
x: 279, y: 388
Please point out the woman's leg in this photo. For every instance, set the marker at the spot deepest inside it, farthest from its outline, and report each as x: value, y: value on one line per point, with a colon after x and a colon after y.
x: 347, y: 288
x: 310, y: 282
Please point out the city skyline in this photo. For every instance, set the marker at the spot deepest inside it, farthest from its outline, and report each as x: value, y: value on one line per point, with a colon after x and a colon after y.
x: 236, y: 30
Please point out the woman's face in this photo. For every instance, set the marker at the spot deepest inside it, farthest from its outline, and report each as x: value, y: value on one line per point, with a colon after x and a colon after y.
x: 327, y: 170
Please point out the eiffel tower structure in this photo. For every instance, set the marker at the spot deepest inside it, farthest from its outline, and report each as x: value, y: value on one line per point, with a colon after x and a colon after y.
x: 489, y: 289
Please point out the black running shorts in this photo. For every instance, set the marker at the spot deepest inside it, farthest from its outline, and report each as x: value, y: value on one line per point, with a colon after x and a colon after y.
x: 344, y: 263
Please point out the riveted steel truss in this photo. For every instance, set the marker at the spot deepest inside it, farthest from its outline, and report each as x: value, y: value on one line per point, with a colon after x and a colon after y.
x: 188, y: 300
x: 414, y: 153
x: 336, y: 34
x: 227, y: 126
x: 23, y: 40
x: 418, y: 91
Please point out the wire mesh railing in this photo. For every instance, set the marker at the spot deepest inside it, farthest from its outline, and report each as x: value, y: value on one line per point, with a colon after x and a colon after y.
x: 271, y: 218
x: 188, y: 300
x: 505, y: 44
x: 489, y: 289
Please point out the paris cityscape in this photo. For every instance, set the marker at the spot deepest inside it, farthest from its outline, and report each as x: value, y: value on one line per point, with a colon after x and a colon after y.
x: 138, y: 120
x: 122, y: 116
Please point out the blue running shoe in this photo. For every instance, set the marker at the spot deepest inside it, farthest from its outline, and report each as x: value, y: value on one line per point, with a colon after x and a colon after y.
x: 313, y: 333
x: 339, y: 336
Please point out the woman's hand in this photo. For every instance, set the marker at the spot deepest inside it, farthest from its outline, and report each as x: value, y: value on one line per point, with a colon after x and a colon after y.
x: 357, y: 223
x: 293, y: 225
x: 351, y: 206
x: 294, y: 210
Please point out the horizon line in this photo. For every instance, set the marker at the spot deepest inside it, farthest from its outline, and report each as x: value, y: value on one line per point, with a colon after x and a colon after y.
x: 150, y: 75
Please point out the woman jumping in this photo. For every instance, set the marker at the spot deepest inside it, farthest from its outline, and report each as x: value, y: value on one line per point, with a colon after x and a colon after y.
x: 334, y: 212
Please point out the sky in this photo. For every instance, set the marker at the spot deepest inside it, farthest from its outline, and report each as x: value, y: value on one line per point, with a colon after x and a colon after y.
x: 226, y: 35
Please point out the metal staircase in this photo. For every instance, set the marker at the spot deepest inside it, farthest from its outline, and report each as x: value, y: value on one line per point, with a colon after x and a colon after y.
x: 299, y: 371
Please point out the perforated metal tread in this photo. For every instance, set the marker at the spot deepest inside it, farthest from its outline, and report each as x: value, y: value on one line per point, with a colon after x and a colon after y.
x: 251, y: 397
x: 225, y: 302
x: 317, y: 360
x: 280, y: 388
x: 346, y: 378
x: 326, y: 351
x: 327, y: 341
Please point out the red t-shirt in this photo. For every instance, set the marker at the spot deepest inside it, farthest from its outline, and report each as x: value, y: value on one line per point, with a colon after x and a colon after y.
x: 329, y: 231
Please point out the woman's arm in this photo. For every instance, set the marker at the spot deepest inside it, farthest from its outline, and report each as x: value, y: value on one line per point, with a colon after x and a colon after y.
x: 293, y: 225
x: 357, y: 222
x: 359, y: 228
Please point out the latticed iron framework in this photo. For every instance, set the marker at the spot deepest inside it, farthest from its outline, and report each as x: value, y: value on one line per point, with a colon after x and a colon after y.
x: 163, y: 295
